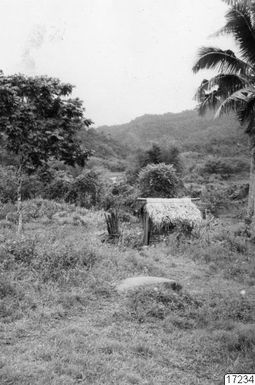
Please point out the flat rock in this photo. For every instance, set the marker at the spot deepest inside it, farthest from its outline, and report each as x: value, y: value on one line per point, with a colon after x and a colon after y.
x: 136, y: 282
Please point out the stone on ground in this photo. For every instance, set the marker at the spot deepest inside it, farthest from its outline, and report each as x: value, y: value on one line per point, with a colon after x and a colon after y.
x: 136, y: 282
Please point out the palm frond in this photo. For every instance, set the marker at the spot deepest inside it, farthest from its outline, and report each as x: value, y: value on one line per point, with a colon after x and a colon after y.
x: 224, y: 61
x: 240, y: 23
x: 234, y: 3
x: 225, y: 84
x: 236, y: 101
x: 202, y: 90
x: 209, y: 102
x: 246, y: 113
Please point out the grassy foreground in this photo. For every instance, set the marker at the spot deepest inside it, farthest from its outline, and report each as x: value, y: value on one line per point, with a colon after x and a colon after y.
x: 62, y: 322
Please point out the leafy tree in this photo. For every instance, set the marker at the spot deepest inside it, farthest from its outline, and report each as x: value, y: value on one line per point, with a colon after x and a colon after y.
x: 233, y: 88
x: 154, y: 154
x: 166, y: 153
x: 170, y: 154
x: 159, y: 181
x: 39, y: 122
x: 85, y: 189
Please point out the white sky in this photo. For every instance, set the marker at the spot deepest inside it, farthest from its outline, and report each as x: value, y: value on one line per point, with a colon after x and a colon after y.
x: 126, y: 57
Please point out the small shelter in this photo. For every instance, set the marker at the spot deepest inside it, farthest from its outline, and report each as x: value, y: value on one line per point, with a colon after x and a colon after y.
x: 167, y: 212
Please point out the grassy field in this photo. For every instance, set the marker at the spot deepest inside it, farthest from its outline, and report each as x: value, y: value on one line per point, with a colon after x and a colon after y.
x: 62, y: 321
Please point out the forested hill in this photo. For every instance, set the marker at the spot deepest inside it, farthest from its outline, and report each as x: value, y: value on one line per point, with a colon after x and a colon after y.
x: 190, y: 131
x: 102, y: 145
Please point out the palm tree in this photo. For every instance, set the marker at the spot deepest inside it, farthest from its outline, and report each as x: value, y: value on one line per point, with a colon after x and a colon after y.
x: 233, y: 88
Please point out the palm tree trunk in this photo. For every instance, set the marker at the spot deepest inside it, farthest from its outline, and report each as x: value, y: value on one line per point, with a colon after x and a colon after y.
x: 251, y: 198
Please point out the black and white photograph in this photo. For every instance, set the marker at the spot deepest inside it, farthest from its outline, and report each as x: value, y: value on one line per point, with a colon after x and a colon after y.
x: 127, y: 192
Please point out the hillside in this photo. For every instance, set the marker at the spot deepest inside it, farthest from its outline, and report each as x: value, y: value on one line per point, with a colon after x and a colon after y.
x: 190, y: 131
x: 102, y: 145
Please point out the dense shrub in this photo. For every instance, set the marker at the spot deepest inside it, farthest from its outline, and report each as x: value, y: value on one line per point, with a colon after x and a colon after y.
x: 83, y: 190
x: 214, y: 198
x: 58, y: 189
x: 121, y: 195
x: 170, y: 154
x: 166, y: 153
x: 159, y: 180
x: 223, y: 166
x: 31, y: 186
x: 8, y: 184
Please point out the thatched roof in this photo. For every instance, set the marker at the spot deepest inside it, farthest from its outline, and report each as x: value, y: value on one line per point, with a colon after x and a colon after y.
x: 164, y: 211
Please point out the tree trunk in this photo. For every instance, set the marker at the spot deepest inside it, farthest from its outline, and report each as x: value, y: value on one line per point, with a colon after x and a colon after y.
x: 19, y: 202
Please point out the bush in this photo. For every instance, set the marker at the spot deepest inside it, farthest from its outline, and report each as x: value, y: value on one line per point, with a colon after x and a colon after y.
x: 31, y: 185
x: 224, y: 166
x: 121, y: 196
x: 166, y: 153
x: 159, y: 180
x: 58, y: 189
x: 84, y: 190
x: 214, y: 199
x: 216, y: 166
x: 170, y: 154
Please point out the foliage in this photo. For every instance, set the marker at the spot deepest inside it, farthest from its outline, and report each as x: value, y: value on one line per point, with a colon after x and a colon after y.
x: 31, y: 186
x: 159, y: 180
x: 58, y: 189
x: 104, y: 164
x: 214, y: 198
x: 224, y: 167
x: 153, y: 155
x: 38, y: 208
x: 185, y: 130
x: 85, y: 190
x: 233, y: 88
x: 215, y: 165
x: 103, y: 146
x: 168, y: 154
x: 38, y: 121
x: 120, y: 195
x: 131, y: 236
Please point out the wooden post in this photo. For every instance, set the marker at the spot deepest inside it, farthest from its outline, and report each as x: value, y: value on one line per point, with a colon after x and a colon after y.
x: 112, y: 222
x: 146, y: 237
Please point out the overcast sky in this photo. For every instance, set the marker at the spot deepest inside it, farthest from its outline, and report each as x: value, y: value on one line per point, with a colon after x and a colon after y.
x: 125, y: 57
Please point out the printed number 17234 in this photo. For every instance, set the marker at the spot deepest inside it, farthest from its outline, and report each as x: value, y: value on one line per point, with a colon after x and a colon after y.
x: 235, y: 379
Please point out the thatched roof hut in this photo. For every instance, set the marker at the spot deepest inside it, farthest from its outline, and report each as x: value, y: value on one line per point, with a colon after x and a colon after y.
x: 162, y: 211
